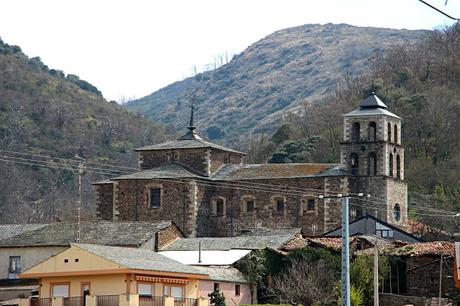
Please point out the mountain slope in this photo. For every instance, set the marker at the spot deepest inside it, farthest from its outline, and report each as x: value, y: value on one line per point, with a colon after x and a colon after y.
x: 45, y: 112
x: 276, y: 74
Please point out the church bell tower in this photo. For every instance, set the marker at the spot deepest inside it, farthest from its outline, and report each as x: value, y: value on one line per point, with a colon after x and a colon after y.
x: 372, y: 152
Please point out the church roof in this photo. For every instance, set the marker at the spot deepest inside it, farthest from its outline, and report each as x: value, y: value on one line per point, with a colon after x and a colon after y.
x: 170, y: 171
x: 371, y: 106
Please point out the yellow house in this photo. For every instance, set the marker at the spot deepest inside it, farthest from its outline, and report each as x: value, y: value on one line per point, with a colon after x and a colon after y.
x: 115, y: 276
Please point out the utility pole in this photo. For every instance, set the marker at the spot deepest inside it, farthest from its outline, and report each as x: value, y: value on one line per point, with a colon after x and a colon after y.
x: 376, y: 273
x: 440, y: 280
x: 81, y: 171
x: 345, y: 278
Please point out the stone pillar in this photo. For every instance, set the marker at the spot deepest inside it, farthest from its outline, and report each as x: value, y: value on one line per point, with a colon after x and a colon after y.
x: 128, y: 300
x: 24, y: 302
x: 57, y: 301
x: 203, y: 301
x: 91, y: 300
x: 168, y: 301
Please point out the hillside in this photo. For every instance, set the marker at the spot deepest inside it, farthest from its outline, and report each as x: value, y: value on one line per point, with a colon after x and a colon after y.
x: 277, y: 74
x: 45, y: 112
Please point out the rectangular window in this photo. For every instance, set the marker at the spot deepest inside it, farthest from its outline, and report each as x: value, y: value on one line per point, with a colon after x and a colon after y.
x: 237, y: 290
x: 216, y: 286
x: 311, y: 205
x: 144, y: 289
x: 60, y: 290
x: 219, y: 207
x: 280, y: 205
x: 174, y: 291
x: 14, y: 267
x: 249, y: 206
x: 155, y: 197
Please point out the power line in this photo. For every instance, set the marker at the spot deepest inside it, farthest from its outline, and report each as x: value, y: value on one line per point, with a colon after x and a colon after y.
x: 438, y: 10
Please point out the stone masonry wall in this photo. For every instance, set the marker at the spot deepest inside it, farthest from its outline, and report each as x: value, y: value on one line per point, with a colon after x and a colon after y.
x: 104, y: 201
x: 132, y: 202
x: 396, y: 192
x: 194, y: 159
x: 235, y: 217
x: 219, y: 158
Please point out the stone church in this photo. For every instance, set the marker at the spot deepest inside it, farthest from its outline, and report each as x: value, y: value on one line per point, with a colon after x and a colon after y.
x: 207, y: 190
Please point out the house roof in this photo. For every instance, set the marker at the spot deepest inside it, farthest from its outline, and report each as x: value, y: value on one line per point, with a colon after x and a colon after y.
x: 101, y: 232
x: 269, y: 171
x: 264, y: 231
x: 138, y: 259
x: 208, y: 257
x: 171, y: 171
x: 223, y: 274
x: 11, y: 230
x: 229, y: 243
x: 446, y: 248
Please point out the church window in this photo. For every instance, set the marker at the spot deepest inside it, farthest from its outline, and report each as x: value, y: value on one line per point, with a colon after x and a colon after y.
x: 372, y: 131
x: 398, y: 166
x: 396, y: 212
x: 219, y: 207
x: 155, y: 197
x: 390, y: 165
x: 354, y: 163
x: 311, y: 205
x: 248, y: 204
x: 396, y: 134
x: 278, y: 204
x: 355, y: 134
x: 389, y: 131
x: 372, y: 164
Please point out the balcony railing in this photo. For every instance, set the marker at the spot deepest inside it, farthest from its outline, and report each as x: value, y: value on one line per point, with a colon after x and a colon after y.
x: 106, y: 300
x: 151, y: 300
x: 35, y: 301
x: 73, y: 301
x: 185, y: 302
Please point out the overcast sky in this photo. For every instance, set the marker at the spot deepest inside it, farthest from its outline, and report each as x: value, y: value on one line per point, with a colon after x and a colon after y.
x: 132, y: 48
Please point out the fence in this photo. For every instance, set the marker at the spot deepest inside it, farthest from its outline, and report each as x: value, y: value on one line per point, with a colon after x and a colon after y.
x: 150, y: 301
x: 34, y: 301
x: 106, y: 300
x: 185, y: 302
x: 73, y: 301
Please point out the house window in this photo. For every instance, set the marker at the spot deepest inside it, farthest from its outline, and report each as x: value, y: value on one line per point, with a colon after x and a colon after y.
x: 60, y: 290
x: 385, y: 233
x: 85, y: 287
x: 219, y: 207
x: 14, y: 267
x: 174, y: 291
x: 372, y: 131
x: 355, y: 134
x: 155, y: 197
x: 237, y: 290
x: 145, y: 289
x: 397, y: 212
x: 216, y: 286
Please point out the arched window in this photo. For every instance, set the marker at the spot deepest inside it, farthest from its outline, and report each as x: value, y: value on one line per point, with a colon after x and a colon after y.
x: 219, y: 207
x: 396, y: 212
x: 390, y: 165
x: 389, y: 131
x: 354, y: 163
x: 372, y: 131
x: 396, y: 134
x: 356, y: 131
x: 398, y: 166
x: 372, y: 164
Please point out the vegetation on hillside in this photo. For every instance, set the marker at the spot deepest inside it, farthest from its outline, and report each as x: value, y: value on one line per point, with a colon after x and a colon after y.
x: 277, y: 74
x: 44, y: 112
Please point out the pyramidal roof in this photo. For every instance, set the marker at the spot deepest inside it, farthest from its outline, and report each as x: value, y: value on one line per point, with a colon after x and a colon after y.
x: 190, y: 140
x: 371, y: 106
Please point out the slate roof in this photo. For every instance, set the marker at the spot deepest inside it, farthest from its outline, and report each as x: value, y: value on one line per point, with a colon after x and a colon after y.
x: 131, y: 234
x: 139, y: 259
x: 223, y: 274
x: 11, y: 230
x: 164, y: 171
x: 192, y: 142
x: 371, y: 106
x: 264, y: 231
x: 229, y: 243
x: 270, y: 171
x: 208, y: 257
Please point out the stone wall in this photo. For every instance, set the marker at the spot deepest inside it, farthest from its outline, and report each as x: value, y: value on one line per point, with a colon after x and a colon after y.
x: 104, y: 201
x: 396, y: 193
x: 166, y: 236
x: 388, y: 299
x: 219, y: 158
x: 194, y: 159
x: 423, y: 277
